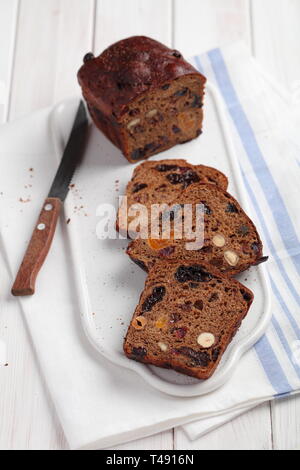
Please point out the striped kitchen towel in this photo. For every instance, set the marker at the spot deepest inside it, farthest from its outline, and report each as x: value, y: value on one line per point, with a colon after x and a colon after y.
x: 263, y: 119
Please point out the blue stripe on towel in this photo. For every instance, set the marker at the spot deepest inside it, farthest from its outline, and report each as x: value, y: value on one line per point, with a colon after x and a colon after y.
x: 272, y: 367
x: 268, y: 238
x: 285, y: 345
x: 286, y: 310
x: 256, y: 158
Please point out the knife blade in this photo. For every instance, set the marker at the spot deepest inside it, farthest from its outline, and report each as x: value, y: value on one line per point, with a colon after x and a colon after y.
x: 43, y: 233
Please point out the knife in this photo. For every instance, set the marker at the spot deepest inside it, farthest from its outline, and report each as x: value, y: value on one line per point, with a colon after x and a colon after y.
x: 43, y: 233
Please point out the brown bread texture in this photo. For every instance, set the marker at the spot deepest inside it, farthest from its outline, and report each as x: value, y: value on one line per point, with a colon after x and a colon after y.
x: 143, y: 96
x: 160, y: 182
x: 231, y: 241
x: 187, y: 315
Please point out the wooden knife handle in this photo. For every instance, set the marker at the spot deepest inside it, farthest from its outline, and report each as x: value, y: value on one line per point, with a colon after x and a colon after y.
x: 38, y: 248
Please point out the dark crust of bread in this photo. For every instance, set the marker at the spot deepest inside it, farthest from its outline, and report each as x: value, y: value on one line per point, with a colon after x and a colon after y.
x: 125, y: 73
x: 128, y: 69
x: 247, y: 246
x: 149, y: 185
x: 179, y: 331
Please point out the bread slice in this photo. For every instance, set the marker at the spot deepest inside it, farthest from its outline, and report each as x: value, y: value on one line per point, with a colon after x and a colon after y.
x: 160, y: 182
x: 187, y: 315
x: 231, y: 241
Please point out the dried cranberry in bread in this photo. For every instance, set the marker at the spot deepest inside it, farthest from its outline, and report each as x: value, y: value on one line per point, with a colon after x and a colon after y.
x: 143, y: 96
x: 160, y: 182
x: 187, y: 315
x: 231, y: 241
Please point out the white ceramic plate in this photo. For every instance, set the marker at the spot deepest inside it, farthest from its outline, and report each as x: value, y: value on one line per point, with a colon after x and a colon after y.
x: 108, y: 283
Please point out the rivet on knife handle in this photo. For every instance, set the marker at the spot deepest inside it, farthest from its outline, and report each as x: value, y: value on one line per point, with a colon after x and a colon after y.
x: 38, y: 248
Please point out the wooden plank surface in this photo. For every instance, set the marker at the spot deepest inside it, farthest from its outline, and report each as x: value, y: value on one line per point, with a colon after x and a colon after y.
x: 205, y: 24
x: 8, y: 27
x: 286, y: 424
x: 43, y: 55
x: 276, y: 38
x: 49, y: 52
x: 117, y: 19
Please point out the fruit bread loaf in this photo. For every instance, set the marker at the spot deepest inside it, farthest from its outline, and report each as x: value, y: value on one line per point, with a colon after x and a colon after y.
x: 187, y: 315
x: 159, y: 182
x: 143, y: 96
x: 231, y: 242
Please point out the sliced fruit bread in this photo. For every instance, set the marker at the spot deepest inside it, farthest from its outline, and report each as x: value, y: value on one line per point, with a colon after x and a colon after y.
x: 160, y: 182
x: 187, y: 315
x: 231, y: 242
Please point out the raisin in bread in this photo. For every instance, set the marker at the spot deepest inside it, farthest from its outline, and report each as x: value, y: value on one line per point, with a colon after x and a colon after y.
x: 187, y: 315
x: 231, y: 242
x: 143, y: 96
x: 160, y: 182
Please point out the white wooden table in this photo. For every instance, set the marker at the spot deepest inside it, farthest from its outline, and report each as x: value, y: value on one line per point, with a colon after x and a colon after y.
x: 42, y: 45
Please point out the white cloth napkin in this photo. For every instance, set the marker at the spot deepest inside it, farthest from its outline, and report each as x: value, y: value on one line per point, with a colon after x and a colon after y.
x: 99, y: 404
